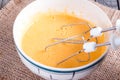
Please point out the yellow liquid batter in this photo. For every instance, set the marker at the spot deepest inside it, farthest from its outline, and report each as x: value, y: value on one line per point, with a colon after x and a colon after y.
x: 47, y: 26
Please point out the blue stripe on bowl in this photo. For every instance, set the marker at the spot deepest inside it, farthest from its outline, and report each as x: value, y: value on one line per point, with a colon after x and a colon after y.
x: 57, y: 71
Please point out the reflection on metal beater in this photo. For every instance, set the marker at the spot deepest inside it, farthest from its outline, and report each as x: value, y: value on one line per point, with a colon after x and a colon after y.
x: 71, y: 39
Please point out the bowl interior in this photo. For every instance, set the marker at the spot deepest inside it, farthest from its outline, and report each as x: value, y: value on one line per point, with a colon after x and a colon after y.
x: 81, y: 8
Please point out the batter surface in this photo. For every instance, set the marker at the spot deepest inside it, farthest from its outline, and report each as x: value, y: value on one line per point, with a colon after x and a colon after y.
x: 48, y: 26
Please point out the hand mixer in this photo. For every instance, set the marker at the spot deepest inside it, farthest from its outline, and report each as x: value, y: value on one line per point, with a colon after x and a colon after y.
x: 89, y: 47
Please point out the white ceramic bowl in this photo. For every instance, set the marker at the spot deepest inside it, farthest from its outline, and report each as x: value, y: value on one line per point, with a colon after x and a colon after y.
x: 82, y: 8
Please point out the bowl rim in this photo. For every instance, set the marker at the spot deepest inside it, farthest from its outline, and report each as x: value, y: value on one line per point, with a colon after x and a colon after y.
x: 60, y: 70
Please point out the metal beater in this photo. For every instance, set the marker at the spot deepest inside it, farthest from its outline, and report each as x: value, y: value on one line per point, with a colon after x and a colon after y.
x: 89, y: 47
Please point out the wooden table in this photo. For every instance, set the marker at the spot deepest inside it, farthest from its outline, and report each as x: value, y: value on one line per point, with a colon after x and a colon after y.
x: 110, y: 3
x: 11, y: 67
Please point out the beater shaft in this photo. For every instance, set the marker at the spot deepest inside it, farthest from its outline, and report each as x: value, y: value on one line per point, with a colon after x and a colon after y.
x: 103, y: 44
x: 109, y: 29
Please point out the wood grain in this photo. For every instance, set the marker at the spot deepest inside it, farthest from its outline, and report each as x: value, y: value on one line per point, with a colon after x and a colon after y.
x: 3, y: 3
x: 109, y: 3
x: 118, y: 3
